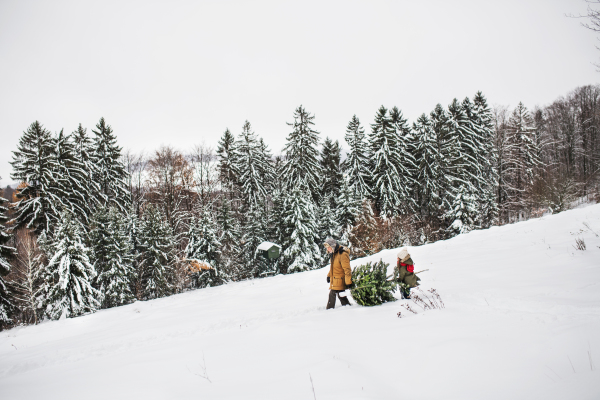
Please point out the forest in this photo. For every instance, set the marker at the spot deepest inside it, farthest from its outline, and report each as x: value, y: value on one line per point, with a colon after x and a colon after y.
x: 92, y: 226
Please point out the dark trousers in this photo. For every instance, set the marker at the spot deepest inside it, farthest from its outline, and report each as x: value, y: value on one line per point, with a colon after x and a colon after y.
x: 331, y: 302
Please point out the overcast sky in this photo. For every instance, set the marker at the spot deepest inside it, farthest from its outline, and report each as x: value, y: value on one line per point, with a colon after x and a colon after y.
x: 180, y: 72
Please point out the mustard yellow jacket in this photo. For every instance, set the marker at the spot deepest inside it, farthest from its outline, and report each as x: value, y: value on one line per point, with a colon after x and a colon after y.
x: 340, y: 273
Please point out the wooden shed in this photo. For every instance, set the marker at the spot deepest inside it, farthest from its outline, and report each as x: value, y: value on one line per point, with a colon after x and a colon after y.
x: 269, y: 250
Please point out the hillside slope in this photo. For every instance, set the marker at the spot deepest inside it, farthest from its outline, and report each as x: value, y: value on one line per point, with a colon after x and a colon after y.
x: 522, y: 321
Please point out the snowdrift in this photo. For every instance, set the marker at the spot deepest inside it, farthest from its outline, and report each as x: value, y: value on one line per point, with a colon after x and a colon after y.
x: 522, y: 321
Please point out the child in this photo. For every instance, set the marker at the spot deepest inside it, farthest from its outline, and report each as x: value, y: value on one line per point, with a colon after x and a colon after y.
x: 406, y: 273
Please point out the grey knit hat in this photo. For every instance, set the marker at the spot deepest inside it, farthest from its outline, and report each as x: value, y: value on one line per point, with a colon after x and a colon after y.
x: 403, y: 254
x: 331, y: 242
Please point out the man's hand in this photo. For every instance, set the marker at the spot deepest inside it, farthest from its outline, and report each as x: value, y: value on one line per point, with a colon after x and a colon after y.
x: 328, y: 279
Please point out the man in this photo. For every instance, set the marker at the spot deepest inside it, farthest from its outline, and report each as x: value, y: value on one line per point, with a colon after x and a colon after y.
x: 340, y: 274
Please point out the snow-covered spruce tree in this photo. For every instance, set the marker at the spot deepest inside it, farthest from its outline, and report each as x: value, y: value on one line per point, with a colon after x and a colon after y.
x: 6, y: 253
x: 84, y: 154
x: 407, y: 168
x: 254, y: 232
x: 447, y: 148
x: 327, y: 223
x: 428, y: 168
x: 69, y: 273
x: 348, y: 206
x: 226, y: 154
x: 522, y: 158
x: 111, y: 174
x: 386, y: 190
x: 267, y: 166
x: 462, y: 214
x: 356, y: 164
x: 112, y: 257
x: 72, y: 181
x: 301, y: 252
x: 302, y: 155
x: 332, y: 171
x: 34, y: 163
x: 483, y: 124
x: 204, y: 246
x: 229, y: 237
x: 252, y: 166
x: 134, y: 235
x: 156, y: 254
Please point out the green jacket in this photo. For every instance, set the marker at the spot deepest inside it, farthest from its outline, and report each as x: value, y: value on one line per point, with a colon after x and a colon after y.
x: 409, y: 278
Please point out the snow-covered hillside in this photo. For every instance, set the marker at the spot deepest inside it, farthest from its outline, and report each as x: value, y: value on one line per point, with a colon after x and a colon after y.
x: 522, y: 321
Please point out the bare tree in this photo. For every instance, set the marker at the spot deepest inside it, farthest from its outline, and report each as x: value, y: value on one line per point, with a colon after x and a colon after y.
x: 170, y: 179
x: 592, y: 19
x: 23, y: 278
x: 136, y: 167
x: 206, y: 173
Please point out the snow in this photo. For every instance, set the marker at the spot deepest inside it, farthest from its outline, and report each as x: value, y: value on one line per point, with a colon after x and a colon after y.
x: 522, y: 321
x: 267, y: 245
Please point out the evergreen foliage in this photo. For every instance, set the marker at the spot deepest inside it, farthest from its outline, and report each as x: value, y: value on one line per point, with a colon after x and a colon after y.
x: 226, y: 155
x: 203, y: 242
x: 301, y: 252
x: 387, y: 189
x: 110, y: 173
x: 156, y: 253
x: 253, y: 165
x: 34, y: 163
x: 302, y: 155
x: 68, y: 276
x: 356, y: 164
x: 6, y: 253
x: 371, y: 287
x: 112, y: 252
x: 332, y: 172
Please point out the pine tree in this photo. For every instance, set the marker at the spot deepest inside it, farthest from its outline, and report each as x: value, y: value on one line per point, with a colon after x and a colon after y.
x: 253, y: 167
x: 447, y: 148
x: 387, y: 190
x: 301, y: 251
x: 203, y: 242
x: 111, y: 174
x: 68, y: 274
x: 332, y: 172
x: 6, y: 253
x: 34, y: 163
x: 356, y: 164
x: 522, y: 157
x: 72, y: 181
x: 463, y: 212
x: 428, y: 168
x: 483, y: 124
x: 254, y: 232
x: 84, y: 154
x: 112, y: 256
x: 157, y: 257
x: 407, y: 168
x: 226, y: 154
x: 204, y: 246
x: 327, y: 223
x: 302, y: 155
x: 347, y: 208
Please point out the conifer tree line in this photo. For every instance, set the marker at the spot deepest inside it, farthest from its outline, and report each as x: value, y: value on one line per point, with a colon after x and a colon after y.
x: 91, y: 226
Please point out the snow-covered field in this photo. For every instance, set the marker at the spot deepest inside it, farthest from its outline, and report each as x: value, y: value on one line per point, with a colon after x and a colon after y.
x: 522, y: 321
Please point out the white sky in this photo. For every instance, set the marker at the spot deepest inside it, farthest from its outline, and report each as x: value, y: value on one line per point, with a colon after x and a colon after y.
x: 180, y: 72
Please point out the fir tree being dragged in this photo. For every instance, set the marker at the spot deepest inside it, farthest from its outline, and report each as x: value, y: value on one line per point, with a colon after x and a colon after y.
x: 371, y: 284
